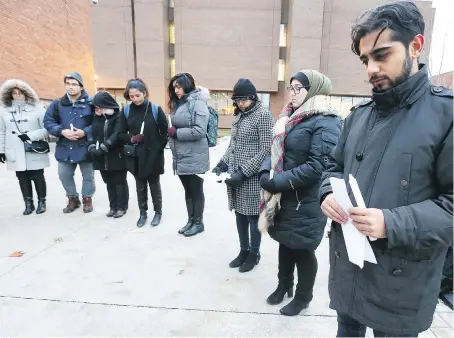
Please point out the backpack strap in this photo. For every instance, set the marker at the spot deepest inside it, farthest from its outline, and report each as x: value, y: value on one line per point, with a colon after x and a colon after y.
x: 154, y: 110
x: 56, y: 112
x: 126, y: 110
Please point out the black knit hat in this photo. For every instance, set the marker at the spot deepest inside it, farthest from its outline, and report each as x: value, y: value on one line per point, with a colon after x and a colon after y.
x: 76, y: 76
x: 105, y: 100
x: 244, y: 89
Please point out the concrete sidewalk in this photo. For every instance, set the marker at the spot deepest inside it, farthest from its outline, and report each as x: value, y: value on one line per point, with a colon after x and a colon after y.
x: 86, y: 275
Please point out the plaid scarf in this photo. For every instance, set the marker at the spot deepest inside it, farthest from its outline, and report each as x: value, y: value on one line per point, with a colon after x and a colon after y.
x: 270, y: 203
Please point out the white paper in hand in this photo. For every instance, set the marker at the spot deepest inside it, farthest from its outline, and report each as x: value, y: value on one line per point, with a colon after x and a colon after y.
x: 358, y: 247
x: 358, y: 196
x: 71, y: 126
x: 209, y: 176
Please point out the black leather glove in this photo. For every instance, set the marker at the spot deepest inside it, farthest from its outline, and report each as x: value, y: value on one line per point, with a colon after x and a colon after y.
x: 267, y: 184
x: 236, y: 180
x: 23, y: 137
x: 104, y: 147
x: 2, y: 158
x: 220, y: 168
x: 95, y: 152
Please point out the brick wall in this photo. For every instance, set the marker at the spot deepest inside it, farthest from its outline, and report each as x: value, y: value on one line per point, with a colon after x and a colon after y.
x: 43, y: 40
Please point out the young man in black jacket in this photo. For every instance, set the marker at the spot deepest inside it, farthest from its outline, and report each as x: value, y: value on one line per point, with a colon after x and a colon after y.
x: 399, y: 147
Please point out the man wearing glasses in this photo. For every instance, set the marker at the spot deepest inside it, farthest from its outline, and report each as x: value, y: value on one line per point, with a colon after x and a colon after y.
x: 69, y: 118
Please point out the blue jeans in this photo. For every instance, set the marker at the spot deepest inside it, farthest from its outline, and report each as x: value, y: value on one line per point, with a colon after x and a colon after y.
x: 66, y: 175
x: 349, y: 327
x: 244, y: 223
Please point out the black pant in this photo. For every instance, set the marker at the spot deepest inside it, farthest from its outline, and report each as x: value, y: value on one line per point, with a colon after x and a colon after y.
x: 306, y: 265
x: 349, y: 327
x: 193, y: 190
x: 243, y: 224
x: 25, y: 183
x: 142, y: 193
x: 117, y: 189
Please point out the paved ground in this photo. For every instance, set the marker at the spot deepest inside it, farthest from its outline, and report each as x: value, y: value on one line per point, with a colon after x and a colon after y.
x: 86, y: 275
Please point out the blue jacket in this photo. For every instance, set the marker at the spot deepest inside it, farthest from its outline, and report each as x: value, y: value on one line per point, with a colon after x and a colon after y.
x: 59, y: 115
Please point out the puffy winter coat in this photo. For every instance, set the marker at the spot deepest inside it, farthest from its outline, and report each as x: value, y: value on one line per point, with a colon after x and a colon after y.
x: 190, y: 148
x: 29, y: 117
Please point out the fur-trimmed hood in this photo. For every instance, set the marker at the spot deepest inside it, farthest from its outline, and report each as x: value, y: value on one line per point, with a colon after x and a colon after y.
x: 200, y: 93
x: 6, y: 90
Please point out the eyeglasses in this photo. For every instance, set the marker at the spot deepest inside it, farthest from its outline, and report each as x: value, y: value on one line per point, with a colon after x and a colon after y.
x: 72, y: 85
x: 241, y: 101
x: 295, y: 90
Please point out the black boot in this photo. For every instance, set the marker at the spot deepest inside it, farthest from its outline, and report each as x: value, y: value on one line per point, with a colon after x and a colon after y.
x: 252, y: 260
x: 278, y: 295
x: 41, y: 191
x: 41, y: 206
x: 240, y: 259
x: 119, y: 214
x: 190, y: 209
x: 29, y: 206
x: 197, y: 226
x: 156, y: 196
x: 294, y: 307
x: 25, y: 184
x: 142, y: 219
x: 111, y: 213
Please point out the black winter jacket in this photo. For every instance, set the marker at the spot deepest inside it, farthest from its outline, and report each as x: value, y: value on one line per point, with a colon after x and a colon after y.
x: 105, y: 131
x: 399, y: 147
x: 150, y: 159
x: 300, y: 223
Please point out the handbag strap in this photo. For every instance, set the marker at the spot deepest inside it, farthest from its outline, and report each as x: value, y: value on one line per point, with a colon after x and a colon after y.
x: 15, y: 122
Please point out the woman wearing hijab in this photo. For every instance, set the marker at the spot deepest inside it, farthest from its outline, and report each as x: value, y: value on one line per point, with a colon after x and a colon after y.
x: 107, y: 152
x: 21, y: 122
x: 303, y: 137
x: 250, y: 143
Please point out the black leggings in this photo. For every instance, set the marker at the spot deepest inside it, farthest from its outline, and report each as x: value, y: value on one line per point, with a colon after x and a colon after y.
x: 25, y: 182
x: 193, y: 187
x: 306, y: 265
x: 193, y: 190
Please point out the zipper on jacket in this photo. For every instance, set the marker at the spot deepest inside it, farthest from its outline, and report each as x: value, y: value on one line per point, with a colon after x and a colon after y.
x: 106, y: 163
x: 296, y: 195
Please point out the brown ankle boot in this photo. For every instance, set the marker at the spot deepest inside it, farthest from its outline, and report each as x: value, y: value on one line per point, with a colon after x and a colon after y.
x: 73, y: 204
x: 88, y: 204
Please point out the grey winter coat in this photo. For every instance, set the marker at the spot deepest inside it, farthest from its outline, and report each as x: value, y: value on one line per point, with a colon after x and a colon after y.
x: 190, y: 148
x: 29, y: 118
x: 400, y: 149
x: 250, y: 143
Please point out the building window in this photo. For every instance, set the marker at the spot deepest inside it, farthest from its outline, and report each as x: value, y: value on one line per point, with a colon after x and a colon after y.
x: 172, y: 67
x: 343, y: 104
x: 172, y: 33
x: 171, y: 3
x: 283, y: 36
x: 281, y: 70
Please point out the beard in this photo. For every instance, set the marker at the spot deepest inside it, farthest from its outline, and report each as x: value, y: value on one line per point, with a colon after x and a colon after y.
x: 404, y: 75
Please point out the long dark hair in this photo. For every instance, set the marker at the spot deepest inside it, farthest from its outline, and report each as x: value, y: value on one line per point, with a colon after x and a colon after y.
x: 186, y: 82
x: 138, y: 84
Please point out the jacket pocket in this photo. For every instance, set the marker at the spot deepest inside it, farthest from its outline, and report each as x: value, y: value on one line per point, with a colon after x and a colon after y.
x: 329, y: 141
x: 394, y: 286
